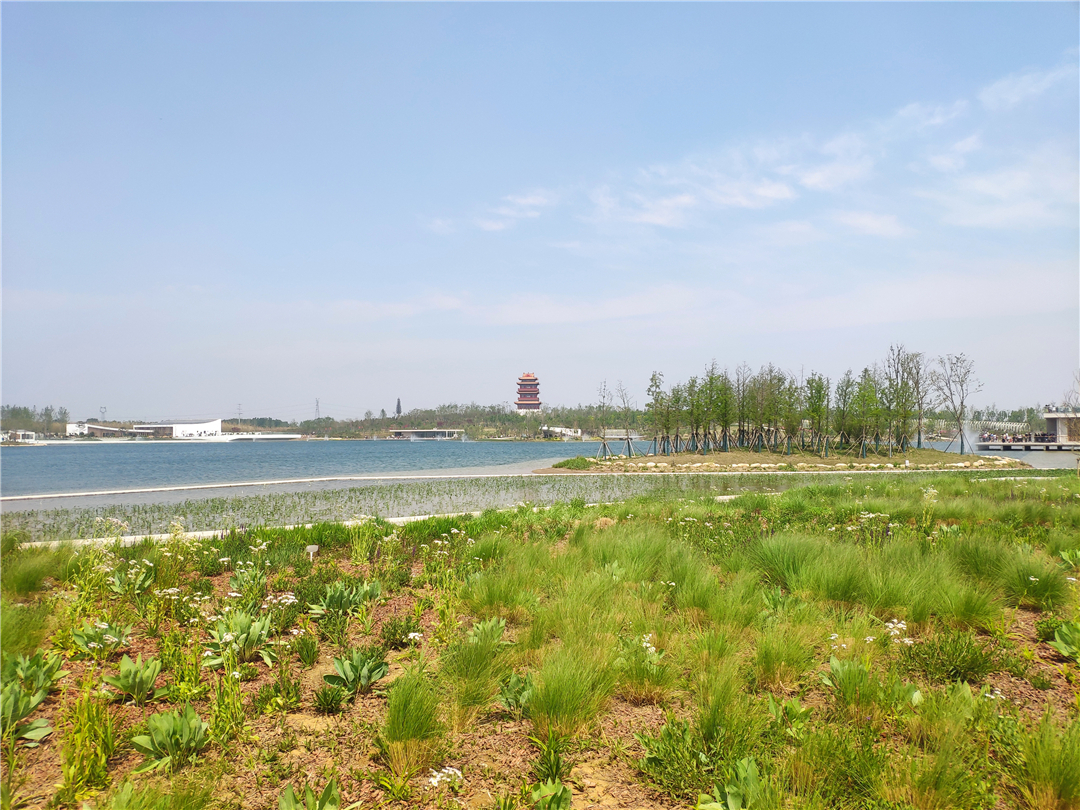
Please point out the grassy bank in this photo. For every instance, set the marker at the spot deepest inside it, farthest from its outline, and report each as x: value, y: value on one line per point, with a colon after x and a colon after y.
x: 795, y: 461
x: 878, y: 641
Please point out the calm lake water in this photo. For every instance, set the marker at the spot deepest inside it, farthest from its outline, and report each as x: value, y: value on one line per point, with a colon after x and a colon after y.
x: 97, y: 466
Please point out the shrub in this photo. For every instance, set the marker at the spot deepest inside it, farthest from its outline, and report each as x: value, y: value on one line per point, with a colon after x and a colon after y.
x: 136, y: 680
x: 280, y: 696
x: 412, y: 729
x: 951, y: 656
x: 328, y: 699
x: 577, y: 463
x: 358, y: 672
x: 16, y: 704
x: 173, y: 740
x: 330, y: 799
x: 342, y: 597
x: 551, y: 796
x: 399, y: 632
x: 38, y: 672
x: 515, y: 692
x: 100, y: 640
x: 238, y: 631
x: 307, y: 648
x: 1046, y: 625
x: 1067, y: 640
x: 550, y: 765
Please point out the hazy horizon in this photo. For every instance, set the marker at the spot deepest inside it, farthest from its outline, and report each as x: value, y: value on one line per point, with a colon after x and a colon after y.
x: 265, y: 204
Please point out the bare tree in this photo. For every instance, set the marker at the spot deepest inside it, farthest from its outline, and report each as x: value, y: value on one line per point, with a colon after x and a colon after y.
x: 920, y: 373
x: 1071, y: 398
x: 602, y: 408
x: 626, y: 410
x: 954, y: 381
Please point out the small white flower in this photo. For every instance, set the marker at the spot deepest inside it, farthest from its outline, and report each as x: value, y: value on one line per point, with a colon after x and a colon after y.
x: 415, y: 636
x: 1034, y: 579
x: 869, y: 639
x: 236, y: 675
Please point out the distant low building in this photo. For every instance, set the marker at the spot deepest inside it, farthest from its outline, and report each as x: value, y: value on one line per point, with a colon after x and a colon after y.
x: 553, y: 432
x: 93, y: 429
x: 415, y: 434
x: 181, y: 429
x: 1063, y: 425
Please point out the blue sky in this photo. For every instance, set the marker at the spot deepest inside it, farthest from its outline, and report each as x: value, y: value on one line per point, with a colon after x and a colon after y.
x: 207, y: 205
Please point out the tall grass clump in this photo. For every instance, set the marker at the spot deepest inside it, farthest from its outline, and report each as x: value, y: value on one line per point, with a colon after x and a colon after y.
x: 572, y: 686
x: 1029, y: 581
x: 1048, y: 772
x: 25, y: 570
x: 412, y: 730
x: 88, y: 740
x: 782, y: 558
x: 783, y: 655
x: 24, y: 626
x: 474, y: 667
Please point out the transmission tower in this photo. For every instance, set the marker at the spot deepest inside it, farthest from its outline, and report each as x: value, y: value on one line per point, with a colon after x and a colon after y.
x: 316, y: 409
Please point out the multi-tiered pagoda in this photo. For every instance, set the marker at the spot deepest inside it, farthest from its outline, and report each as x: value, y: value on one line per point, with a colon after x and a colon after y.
x: 528, y: 392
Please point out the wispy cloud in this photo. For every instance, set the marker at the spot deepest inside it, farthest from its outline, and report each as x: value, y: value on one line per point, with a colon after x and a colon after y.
x: 514, y: 207
x: 1038, y: 190
x: 954, y: 158
x: 849, y: 164
x: 866, y: 222
x: 1018, y: 87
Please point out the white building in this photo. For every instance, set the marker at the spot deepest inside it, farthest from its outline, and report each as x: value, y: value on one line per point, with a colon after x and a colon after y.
x: 1063, y: 425
x: 182, y: 429
x: 560, y: 432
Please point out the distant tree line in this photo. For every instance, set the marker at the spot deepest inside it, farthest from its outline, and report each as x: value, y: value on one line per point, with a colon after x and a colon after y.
x: 47, y: 420
x: 887, y: 403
